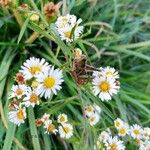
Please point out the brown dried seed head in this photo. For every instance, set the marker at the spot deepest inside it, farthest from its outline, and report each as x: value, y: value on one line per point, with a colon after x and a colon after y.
x: 50, y: 9
x: 5, y: 2
x: 23, y: 7
x: 13, y: 104
x: 20, y: 78
x: 38, y: 122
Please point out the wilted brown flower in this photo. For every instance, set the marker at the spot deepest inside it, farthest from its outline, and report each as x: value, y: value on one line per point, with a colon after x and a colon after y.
x: 13, y: 104
x: 38, y: 122
x: 50, y: 9
x: 23, y: 7
x: 20, y: 78
x: 5, y: 2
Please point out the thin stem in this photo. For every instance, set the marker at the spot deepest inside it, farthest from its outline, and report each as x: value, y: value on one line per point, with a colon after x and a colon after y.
x: 33, y: 129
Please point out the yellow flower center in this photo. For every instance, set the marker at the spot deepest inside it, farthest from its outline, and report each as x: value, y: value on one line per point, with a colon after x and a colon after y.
x: 34, y: 84
x: 62, y: 119
x: 122, y: 131
x: 20, y: 114
x: 109, y: 73
x: 104, y: 86
x: 117, y: 123
x: 92, y: 119
x: 33, y: 98
x: 49, y: 82
x: 51, y: 128
x: 66, y: 129
x: 19, y: 92
x: 77, y: 52
x: 35, y: 69
x: 88, y: 109
x: 113, y: 146
x: 136, y: 131
x: 68, y: 34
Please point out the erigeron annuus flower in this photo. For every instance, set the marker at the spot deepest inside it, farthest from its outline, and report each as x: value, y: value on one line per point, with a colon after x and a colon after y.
x: 103, y: 137
x: 17, y: 91
x: 146, y: 133
x: 65, y: 130
x: 105, y: 88
x: 94, y: 119
x: 34, y: 16
x: 123, y: 130
x: 97, y: 109
x: 49, y: 82
x: 31, y: 98
x: 68, y: 27
x: 89, y: 110
x: 71, y: 20
x: 50, y: 128
x: 110, y: 72
x: 62, y: 118
x: 17, y: 116
x: 136, y: 131
x: 113, y: 143
x: 45, y: 117
x: 33, y: 66
x: 144, y: 145
x: 77, y: 52
x: 97, y: 74
x: 118, y: 123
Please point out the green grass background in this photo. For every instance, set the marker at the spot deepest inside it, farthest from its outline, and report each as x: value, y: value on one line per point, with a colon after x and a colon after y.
x: 117, y: 34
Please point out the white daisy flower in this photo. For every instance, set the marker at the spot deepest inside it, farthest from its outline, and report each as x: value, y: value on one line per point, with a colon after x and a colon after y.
x: 45, y: 117
x: 136, y: 131
x: 105, y: 88
x: 68, y: 27
x: 118, y: 123
x: 94, y: 119
x: 89, y: 110
x: 98, y: 74
x: 97, y: 109
x: 62, y: 118
x: 50, y: 128
x: 31, y: 98
x: 17, y: 116
x: 113, y: 143
x: 146, y: 133
x: 49, y: 82
x: 103, y: 137
x: 33, y: 66
x: 71, y: 20
x: 123, y: 130
x: 18, y: 91
x: 110, y: 72
x: 65, y: 130
x: 145, y: 145
x: 77, y: 52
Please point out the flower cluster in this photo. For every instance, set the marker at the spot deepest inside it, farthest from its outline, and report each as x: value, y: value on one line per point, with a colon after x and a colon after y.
x: 92, y: 112
x: 35, y: 79
x: 140, y: 136
x: 106, y: 140
x: 65, y: 129
x: 105, y: 83
x: 69, y: 27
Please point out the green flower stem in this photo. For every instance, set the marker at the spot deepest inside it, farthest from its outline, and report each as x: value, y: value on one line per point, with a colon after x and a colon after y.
x: 9, y: 136
x: 33, y: 129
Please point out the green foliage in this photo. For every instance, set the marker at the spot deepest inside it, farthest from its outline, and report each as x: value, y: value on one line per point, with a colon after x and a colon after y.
x: 116, y: 34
